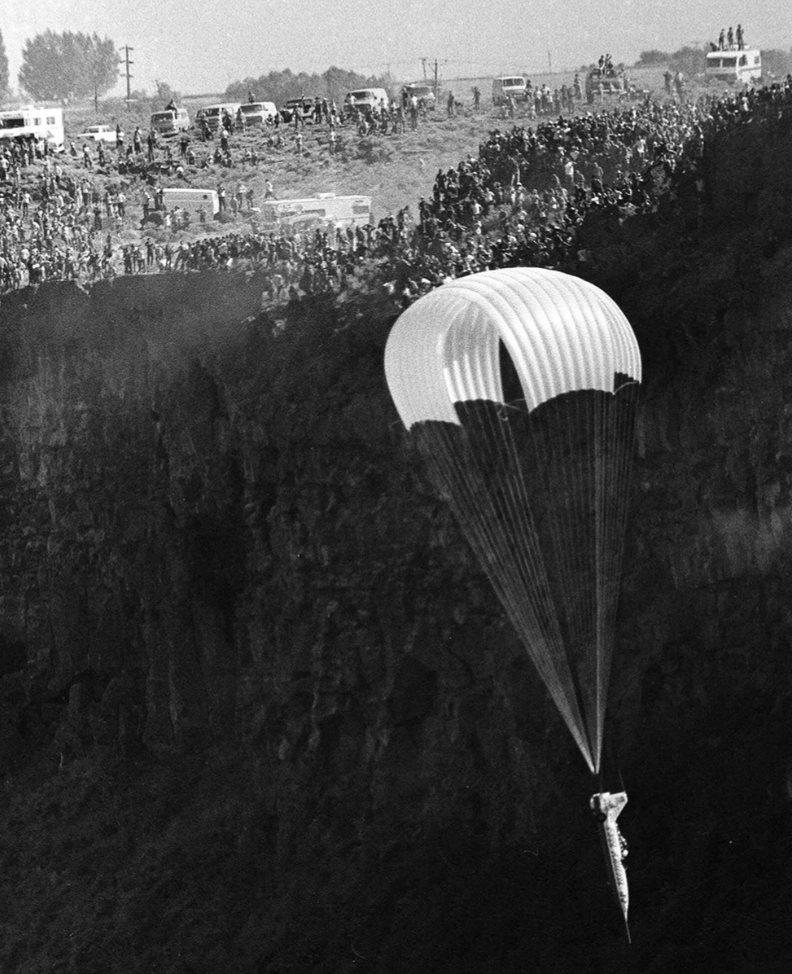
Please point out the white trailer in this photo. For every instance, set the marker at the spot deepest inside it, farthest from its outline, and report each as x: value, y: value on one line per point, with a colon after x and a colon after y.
x: 33, y: 123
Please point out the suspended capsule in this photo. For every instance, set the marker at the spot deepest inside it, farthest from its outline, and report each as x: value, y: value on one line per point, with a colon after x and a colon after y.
x: 519, y: 387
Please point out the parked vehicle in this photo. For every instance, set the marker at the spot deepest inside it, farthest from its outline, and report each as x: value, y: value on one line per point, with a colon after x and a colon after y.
x: 423, y: 92
x: 33, y: 123
x: 366, y: 99
x: 604, y: 84
x: 734, y: 66
x: 303, y: 105
x: 170, y: 122
x: 213, y: 114
x: 99, y: 133
x: 256, y: 113
x: 324, y: 210
x: 509, y: 85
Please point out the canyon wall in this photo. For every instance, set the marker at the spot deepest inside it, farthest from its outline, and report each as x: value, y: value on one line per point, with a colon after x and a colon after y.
x: 218, y: 541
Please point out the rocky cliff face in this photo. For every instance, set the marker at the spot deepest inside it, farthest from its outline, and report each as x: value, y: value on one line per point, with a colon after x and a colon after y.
x: 259, y: 661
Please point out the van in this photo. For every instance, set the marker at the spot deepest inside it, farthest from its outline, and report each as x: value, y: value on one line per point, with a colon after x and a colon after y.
x: 366, y: 100
x: 213, y: 114
x: 503, y: 87
x: 423, y: 93
x: 169, y: 122
x: 256, y: 113
x: 193, y: 201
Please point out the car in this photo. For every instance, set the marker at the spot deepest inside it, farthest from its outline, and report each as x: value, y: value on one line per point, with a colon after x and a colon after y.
x: 99, y: 133
x: 424, y: 93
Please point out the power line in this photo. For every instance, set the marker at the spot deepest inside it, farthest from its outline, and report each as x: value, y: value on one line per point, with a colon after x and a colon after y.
x: 127, y: 63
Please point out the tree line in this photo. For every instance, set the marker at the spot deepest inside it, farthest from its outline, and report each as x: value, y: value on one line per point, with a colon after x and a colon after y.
x: 279, y: 86
x: 64, y: 67
x: 68, y: 66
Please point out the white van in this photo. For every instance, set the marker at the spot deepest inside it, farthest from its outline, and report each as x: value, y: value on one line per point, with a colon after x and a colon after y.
x: 514, y: 85
x: 193, y: 201
x: 366, y: 99
x: 169, y: 122
x: 213, y: 114
x: 734, y: 66
x: 256, y: 113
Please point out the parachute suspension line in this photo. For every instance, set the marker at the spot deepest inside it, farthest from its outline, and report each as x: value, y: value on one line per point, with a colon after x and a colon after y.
x: 542, y: 499
x: 560, y: 443
x: 615, y: 471
x: 477, y: 468
x: 547, y: 651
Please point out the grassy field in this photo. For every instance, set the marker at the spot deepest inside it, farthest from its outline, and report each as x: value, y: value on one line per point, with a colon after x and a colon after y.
x: 394, y: 170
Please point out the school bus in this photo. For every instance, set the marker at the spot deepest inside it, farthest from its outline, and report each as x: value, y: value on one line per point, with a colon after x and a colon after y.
x: 324, y: 210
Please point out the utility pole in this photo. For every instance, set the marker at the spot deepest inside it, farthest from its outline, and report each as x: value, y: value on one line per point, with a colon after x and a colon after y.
x: 435, y: 80
x: 125, y: 61
x: 549, y: 62
x: 423, y: 63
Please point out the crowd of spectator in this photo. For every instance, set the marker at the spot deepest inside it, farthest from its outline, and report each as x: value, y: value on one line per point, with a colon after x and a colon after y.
x: 524, y: 199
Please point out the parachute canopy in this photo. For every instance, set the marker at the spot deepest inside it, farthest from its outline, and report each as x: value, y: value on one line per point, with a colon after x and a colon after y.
x: 519, y: 387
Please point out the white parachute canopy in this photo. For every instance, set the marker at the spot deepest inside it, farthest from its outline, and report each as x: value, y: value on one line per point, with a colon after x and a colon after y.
x: 519, y: 387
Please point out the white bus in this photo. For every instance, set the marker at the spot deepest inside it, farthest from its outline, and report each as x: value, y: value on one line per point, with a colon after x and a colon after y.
x: 325, y: 210
x: 732, y: 65
x: 33, y: 123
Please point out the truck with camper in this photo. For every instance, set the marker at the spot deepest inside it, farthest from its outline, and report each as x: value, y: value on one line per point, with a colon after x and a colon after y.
x: 734, y: 66
x: 33, y: 123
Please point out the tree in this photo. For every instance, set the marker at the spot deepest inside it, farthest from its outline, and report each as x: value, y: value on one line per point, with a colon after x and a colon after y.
x: 102, y: 62
x: 3, y: 69
x: 653, y: 57
x: 166, y: 94
x: 62, y: 67
x: 689, y: 60
x: 775, y: 63
x: 278, y: 86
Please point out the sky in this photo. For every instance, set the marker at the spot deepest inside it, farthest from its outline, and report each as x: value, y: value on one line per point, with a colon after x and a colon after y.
x: 198, y: 47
